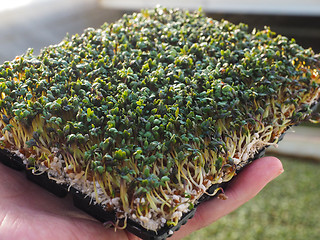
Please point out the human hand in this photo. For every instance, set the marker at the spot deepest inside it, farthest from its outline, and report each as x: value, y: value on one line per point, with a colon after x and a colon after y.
x: 28, y: 212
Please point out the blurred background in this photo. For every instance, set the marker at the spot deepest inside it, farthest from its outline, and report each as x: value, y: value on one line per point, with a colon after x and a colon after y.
x: 288, y: 208
x: 38, y: 23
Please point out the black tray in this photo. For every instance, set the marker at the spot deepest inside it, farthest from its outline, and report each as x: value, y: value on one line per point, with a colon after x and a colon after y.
x: 11, y: 160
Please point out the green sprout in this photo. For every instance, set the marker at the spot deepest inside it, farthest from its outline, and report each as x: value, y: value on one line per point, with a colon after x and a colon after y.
x: 145, y: 114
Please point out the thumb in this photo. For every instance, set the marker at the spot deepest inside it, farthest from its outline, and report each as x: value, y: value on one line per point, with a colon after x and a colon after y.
x: 248, y: 183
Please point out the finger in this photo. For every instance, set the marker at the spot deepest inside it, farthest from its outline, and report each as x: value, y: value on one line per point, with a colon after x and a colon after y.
x: 245, y: 186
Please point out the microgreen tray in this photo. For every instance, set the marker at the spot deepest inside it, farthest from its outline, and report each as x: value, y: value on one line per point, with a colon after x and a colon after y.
x: 143, y: 113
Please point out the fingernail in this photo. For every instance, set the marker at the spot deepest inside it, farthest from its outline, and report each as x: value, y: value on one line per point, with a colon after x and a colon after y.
x: 280, y: 171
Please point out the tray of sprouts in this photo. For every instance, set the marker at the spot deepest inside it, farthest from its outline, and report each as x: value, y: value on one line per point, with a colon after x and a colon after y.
x: 143, y: 119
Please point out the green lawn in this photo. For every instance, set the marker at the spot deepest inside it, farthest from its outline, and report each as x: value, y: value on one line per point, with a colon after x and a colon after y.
x: 288, y: 208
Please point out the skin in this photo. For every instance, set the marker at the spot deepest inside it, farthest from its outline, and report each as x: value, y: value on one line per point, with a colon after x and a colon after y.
x: 29, y: 212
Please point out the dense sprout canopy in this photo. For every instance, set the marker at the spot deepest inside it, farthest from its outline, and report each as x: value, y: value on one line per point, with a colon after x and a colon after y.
x: 155, y: 88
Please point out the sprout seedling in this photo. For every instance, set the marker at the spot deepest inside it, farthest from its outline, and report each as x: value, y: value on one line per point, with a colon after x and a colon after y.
x: 146, y: 114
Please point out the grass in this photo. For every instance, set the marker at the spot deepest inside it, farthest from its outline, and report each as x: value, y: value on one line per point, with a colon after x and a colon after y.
x: 288, y: 208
